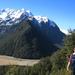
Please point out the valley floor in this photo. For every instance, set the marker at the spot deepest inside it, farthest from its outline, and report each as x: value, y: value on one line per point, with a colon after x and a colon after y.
x: 7, y: 60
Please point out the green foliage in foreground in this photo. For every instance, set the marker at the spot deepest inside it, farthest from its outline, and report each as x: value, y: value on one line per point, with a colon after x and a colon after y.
x: 59, y: 59
x: 43, y: 68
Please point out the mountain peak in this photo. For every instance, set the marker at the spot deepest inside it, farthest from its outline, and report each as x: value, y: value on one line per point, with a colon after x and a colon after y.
x: 12, y: 16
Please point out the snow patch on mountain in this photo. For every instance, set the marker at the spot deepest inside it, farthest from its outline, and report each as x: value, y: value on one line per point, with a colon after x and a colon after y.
x: 13, y: 16
x: 40, y: 19
x: 64, y: 31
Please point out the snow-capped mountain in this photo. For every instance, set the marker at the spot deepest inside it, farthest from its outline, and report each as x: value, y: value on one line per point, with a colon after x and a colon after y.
x: 13, y: 16
x: 22, y: 33
x: 9, y: 17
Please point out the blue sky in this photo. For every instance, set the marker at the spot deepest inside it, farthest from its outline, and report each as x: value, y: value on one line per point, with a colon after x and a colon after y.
x: 62, y: 12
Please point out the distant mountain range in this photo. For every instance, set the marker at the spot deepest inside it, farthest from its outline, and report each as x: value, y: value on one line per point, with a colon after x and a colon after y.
x: 27, y: 36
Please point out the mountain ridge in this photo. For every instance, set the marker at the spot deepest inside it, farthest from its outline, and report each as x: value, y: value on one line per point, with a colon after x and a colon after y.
x: 13, y: 16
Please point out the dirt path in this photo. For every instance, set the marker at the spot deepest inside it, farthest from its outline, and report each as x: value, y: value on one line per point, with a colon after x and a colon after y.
x: 7, y: 60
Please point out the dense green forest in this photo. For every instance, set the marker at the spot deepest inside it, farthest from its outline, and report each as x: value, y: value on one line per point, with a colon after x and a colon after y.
x: 50, y: 65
